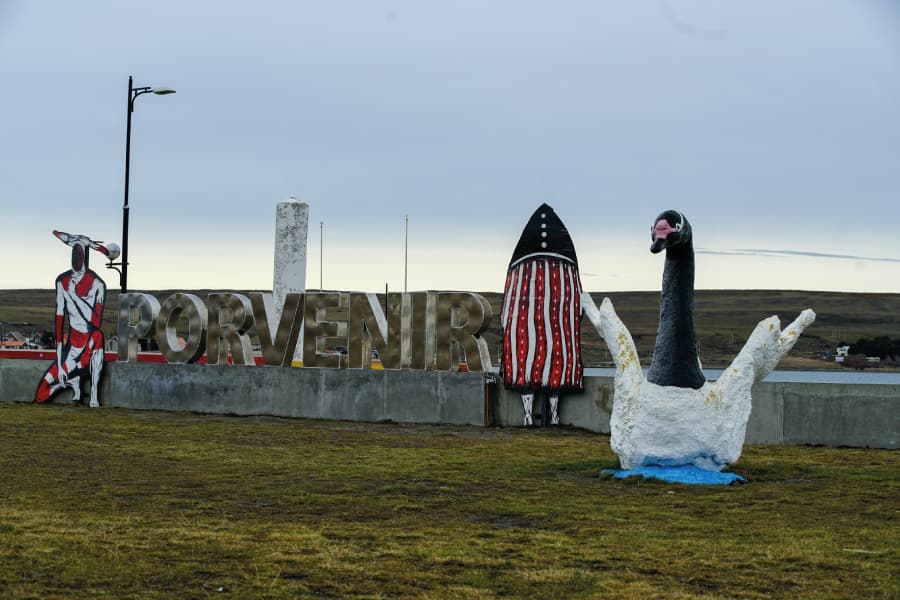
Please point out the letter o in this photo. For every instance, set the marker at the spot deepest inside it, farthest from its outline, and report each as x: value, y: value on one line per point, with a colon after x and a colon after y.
x: 193, y: 309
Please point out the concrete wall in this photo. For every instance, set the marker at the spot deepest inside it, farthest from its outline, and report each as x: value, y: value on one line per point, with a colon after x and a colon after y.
x: 343, y: 394
x: 863, y: 415
x: 783, y: 413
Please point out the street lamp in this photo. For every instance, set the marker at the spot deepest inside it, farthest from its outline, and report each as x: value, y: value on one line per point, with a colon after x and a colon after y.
x: 133, y: 93
x: 321, y: 252
x: 405, y: 254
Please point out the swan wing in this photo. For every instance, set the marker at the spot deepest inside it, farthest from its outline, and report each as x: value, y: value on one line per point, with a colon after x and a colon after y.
x: 767, y: 345
x: 617, y: 337
x: 786, y: 341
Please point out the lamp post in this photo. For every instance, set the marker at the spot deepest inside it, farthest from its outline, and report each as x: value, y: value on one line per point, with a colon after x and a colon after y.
x: 321, y: 253
x: 405, y: 254
x: 133, y: 93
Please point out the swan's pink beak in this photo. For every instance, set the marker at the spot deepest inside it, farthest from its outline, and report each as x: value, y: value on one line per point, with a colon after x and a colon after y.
x: 660, y: 234
x: 662, y: 229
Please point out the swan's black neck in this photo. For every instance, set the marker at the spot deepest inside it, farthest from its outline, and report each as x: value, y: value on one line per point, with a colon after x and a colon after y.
x: 675, y: 360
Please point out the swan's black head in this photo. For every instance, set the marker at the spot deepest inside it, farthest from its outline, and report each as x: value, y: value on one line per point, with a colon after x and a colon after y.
x: 669, y: 229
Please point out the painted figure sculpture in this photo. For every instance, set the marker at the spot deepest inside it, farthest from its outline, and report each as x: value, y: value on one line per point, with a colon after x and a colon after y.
x: 673, y: 416
x: 80, y: 296
x: 541, y: 315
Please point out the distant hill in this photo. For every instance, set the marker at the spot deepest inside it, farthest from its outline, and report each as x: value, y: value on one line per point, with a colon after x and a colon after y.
x: 724, y: 319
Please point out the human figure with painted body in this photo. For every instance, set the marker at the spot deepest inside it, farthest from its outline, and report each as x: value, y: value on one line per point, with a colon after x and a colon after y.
x: 80, y: 296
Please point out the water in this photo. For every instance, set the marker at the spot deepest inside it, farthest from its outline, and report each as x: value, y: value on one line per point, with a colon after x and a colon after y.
x: 855, y: 377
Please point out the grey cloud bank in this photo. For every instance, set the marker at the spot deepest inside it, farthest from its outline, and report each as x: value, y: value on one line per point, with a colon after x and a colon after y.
x: 763, y: 121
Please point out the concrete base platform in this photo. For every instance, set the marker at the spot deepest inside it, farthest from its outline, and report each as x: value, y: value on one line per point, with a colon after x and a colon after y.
x: 783, y: 413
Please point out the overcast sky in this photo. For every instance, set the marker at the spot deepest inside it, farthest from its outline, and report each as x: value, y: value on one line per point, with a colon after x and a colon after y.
x: 773, y: 125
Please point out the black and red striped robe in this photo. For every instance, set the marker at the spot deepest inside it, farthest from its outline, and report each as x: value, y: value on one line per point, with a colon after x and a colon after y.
x: 541, y: 320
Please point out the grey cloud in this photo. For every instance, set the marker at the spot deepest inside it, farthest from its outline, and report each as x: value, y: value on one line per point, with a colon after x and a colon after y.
x: 771, y: 252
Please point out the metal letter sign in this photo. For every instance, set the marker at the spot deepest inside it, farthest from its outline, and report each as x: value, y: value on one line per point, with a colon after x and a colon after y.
x: 192, y: 308
x: 230, y: 316
x: 137, y: 320
x: 422, y: 330
x: 316, y: 327
x: 368, y: 326
x: 277, y: 351
x: 460, y: 319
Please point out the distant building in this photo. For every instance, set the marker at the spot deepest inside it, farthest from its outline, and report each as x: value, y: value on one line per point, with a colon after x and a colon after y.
x: 841, y: 353
x: 13, y: 340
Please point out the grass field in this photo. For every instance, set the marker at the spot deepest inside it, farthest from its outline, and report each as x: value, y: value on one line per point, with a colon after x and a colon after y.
x: 126, y: 504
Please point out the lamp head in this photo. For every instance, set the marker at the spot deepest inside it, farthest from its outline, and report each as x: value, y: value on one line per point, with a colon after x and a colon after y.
x: 162, y: 91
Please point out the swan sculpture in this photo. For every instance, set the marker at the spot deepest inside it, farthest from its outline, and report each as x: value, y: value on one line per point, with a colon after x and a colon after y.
x: 673, y: 416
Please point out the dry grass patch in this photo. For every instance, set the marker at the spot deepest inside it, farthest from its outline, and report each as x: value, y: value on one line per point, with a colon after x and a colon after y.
x: 129, y: 504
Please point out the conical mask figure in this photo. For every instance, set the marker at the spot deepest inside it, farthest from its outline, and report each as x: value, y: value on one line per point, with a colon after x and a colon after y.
x: 541, y: 315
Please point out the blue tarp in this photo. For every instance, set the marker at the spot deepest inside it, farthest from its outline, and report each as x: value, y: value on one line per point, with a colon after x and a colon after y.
x: 680, y: 474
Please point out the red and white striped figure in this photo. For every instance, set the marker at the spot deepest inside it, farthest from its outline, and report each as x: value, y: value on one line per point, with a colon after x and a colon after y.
x: 80, y: 295
x: 541, y: 315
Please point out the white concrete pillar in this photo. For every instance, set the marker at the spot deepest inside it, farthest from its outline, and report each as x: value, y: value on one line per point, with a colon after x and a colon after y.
x: 291, y: 228
x: 291, y: 225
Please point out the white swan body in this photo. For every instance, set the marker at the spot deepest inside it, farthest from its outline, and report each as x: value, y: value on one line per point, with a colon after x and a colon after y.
x: 666, y: 425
